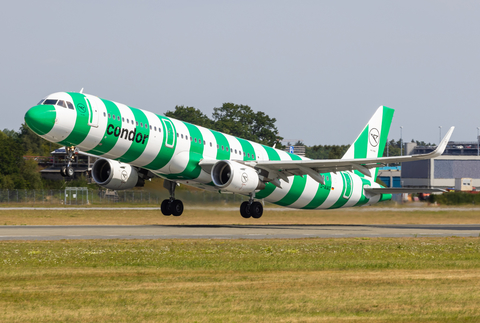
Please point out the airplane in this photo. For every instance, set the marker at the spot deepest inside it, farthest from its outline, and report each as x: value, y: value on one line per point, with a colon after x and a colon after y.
x: 135, y: 145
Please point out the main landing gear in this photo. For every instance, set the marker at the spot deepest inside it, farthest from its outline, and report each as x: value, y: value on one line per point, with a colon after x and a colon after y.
x: 171, y: 206
x: 251, y: 209
x: 68, y: 171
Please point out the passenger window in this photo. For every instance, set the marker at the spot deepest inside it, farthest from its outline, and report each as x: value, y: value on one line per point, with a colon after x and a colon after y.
x: 210, y: 144
x: 248, y: 155
x: 137, y: 123
x: 182, y: 136
x: 141, y: 124
x: 218, y: 147
x: 191, y: 139
x: 109, y: 116
x: 195, y: 140
x: 123, y: 119
x: 132, y: 121
x: 118, y: 118
x: 104, y: 114
x: 177, y: 134
x: 155, y: 127
x: 235, y: 151
x: 70, y: 105
x: 222, y: 148
x: 199, y: 141
x: 113, y: 116
x: 146, y: 126
x: 150, y: 127
x: 226, y: 148
x: 50, y: 102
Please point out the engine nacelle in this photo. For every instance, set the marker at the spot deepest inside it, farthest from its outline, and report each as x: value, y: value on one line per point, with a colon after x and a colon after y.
x: 114, y: 175
x: 235, y: 177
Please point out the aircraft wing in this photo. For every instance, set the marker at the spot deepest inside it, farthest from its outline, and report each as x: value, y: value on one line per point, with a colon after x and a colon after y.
x: 283, y: 169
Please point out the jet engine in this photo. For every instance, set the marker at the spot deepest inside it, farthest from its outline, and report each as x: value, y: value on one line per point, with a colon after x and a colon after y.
x: 235, y: 177
x: 114, y: 175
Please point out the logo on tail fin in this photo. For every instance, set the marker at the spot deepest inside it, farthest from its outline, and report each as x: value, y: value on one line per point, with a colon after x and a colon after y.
x: 373, y: 138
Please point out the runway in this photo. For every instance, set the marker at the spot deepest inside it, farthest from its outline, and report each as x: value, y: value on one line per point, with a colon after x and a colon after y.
x: 233, y: 231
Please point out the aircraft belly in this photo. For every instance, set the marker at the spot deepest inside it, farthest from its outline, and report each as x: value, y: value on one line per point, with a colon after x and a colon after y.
x: 335, y: 192
x: 308, y: 194
x: 280, y: 193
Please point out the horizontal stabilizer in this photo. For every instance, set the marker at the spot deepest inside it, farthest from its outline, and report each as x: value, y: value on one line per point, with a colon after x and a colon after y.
x: 400, y: 190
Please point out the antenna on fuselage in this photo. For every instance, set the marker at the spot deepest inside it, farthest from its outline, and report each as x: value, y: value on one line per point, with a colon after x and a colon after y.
x: 81, y: 91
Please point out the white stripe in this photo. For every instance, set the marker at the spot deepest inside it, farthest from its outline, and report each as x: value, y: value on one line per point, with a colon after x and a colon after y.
x: 95, y: 134
x: 122, y: 145
x: 154, y: 143
x: 334, y: 195
x: 308, y: 194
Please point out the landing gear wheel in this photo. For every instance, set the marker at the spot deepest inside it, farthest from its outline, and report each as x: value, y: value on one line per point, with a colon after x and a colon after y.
x: 245, y: 210
x: 256, y: 209
x: 69, y: 171
x: 63, y: 171
x: 177, y: 207
x: 166, y: 207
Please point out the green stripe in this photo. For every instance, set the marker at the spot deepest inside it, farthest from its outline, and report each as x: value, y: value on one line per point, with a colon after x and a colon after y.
x: 269, y: 188
x: 341, y: 200
x: 294, y: 157
x: 137, y: 148
x: 165, y: 154
x: 108, y: 141
x: 363, y: 199
x: 295, y: 191
x: 81, y: 128
x: 222, y: 154
x: 196, y: 153
x: 322, y: 192
x: 272, y: 153
x: 386, y: 122
x: 247, y: 148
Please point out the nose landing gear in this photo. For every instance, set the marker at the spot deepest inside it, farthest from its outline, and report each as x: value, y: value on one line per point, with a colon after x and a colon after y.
x: 68, y: 170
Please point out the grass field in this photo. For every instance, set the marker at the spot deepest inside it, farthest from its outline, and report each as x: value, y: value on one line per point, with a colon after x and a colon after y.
x: 231, y: 215
x: 311, y: 280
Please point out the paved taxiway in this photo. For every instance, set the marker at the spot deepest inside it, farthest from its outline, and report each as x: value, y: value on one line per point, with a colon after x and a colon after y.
x: 233, y: 231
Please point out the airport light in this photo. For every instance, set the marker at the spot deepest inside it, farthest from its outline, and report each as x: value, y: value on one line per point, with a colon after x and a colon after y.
x: 440, y: 138
x: 401, y: 141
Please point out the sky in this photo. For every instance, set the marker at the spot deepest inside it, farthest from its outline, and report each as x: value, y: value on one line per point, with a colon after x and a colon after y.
x: 321, y: 68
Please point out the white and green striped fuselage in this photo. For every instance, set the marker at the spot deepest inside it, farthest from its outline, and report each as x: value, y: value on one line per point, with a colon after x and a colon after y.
x: 172, y: 149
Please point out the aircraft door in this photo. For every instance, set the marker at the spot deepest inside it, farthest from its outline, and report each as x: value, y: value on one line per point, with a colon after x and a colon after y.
x: 169, y: 133
x: 92, y: 113
x: 348, y: 185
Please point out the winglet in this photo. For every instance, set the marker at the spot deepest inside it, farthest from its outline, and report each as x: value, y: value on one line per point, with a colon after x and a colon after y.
x: 443, y: 144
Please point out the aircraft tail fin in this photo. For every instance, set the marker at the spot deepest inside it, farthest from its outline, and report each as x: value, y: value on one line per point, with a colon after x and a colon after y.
x: 370, y: 143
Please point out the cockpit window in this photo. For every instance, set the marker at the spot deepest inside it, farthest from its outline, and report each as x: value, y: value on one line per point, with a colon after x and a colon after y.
x: 70, y: 105
x: 41, y: 101
x: 61, y: 103
x: 50, y: 102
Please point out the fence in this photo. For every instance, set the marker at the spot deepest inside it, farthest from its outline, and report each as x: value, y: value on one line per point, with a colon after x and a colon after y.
x: 82, y: 196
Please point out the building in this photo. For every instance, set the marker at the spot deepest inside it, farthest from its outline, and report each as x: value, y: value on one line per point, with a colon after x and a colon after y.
x: 460, y: 160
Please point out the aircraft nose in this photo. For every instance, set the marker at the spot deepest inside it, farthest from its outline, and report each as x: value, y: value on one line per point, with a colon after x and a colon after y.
x: 41, y: 118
